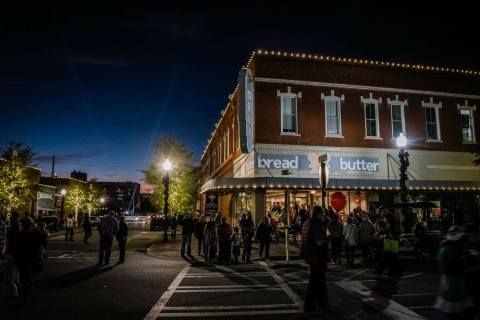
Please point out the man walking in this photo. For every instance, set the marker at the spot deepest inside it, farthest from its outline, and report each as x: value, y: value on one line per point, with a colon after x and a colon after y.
x: 248, y: 231
x: 87, y: 228
x: 122, y: 236
x: 107, y: 228
x: 187, y: 230
x: 264, y: 235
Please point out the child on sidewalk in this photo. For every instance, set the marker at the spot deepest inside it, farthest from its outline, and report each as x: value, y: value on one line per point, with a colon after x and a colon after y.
x: 236, y: 243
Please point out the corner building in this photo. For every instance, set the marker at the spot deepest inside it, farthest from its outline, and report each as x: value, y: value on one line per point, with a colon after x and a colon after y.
x: 288, y: 109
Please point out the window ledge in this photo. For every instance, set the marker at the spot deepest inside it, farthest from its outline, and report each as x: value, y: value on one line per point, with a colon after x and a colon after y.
x: 332, y: 136
x: 373, y: 138
x: 290, y: 134
x: 469, y: 142
x: 437, y: 141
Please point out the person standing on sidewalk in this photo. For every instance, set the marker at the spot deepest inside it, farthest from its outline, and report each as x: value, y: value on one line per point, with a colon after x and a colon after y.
x: 3, y: 237
x: 210, y: 241
x: 365, y: 238
x: 248, y: 231
x: 337, y: 239
x: 87, y: 228
x: 264, y: 235
x: 187, y: 229
x: 122, y: 235
x: 350, y: 232
x: 107, y: 228
x: 224, y: 241
x: 315, y: 252
x: 173, y: 226
x: 236, y: 243
x: 70, y: 225
x: 199, y: 229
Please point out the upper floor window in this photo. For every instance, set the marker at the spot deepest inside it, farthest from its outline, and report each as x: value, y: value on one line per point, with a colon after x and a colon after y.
x: 468, y: 125
x: 333, y: 115
x: 372, y: 123
x: 289, y: 111
x: 397, y: 112
x: 432, y: 120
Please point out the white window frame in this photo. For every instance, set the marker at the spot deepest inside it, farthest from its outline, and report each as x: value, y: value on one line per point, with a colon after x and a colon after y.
x: 402, y: 105
x: 470, y: 109
x: 289, y: 94
x: 375, y: 102
x: 338, y: 100
x: 436, y: 106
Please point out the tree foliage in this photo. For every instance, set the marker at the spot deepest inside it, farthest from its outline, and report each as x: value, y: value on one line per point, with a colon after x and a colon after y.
x: 92, y: 199
x: 184, y: 176
x: 16, y: 188
x: 75, y: 199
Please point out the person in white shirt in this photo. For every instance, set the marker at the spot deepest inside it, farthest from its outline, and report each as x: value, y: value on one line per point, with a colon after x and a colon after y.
x: 69, y: 228
x: 350, y: 233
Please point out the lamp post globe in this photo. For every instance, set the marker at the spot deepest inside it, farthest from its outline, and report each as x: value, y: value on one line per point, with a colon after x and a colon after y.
x: 167, y: 165
x: 401, y: 141
x: 63, y: 192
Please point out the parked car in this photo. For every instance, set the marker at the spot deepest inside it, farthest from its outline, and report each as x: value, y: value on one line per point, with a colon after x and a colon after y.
x: 136, y: 219
x: 52, y: 222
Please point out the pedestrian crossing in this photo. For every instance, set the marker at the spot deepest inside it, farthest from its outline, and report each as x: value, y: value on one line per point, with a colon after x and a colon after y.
x: 220, y: 291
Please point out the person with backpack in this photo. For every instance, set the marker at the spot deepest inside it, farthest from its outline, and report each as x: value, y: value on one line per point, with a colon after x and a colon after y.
x: 314, y: 251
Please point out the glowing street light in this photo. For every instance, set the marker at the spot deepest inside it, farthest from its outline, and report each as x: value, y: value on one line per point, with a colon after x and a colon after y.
x: 401, y: 141
x: 63, y: 192
x: 167, y: 165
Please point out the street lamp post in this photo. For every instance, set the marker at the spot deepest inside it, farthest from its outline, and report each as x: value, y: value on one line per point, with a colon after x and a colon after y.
x: 63, y: 192
x: 404, y: 163
x: 323, y: 159
x: 167, y: 166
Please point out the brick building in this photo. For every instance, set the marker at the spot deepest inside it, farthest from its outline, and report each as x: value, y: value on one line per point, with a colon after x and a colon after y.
x: 288, y: 109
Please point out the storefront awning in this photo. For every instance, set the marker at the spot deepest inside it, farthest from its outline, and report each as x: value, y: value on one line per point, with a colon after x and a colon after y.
x: 335, y: 184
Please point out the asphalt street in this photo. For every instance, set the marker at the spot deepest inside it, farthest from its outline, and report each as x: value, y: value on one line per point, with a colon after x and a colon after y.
x: 156, y: 283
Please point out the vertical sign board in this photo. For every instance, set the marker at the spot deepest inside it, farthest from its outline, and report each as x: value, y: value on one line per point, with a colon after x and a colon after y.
x: 211, y: 204
x: 245, y: 110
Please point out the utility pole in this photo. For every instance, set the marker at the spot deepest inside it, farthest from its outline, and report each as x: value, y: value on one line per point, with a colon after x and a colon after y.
x: 53, y: 166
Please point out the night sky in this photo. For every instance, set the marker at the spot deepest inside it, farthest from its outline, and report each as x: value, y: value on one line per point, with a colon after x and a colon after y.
x: 96, y: 86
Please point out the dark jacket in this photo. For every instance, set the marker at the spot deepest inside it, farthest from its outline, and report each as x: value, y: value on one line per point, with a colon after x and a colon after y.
x: 224, y: 232
x: 315, y: 245
x: 27, y: 249
x: 264, y: 232
x: 199, y: 229
x: 87, y: 225
x: 248, y: 228
x: 187, y: 226
x: 122, y: 233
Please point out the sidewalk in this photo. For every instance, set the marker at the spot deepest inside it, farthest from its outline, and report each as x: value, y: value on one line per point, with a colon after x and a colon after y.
x: 171, y: 249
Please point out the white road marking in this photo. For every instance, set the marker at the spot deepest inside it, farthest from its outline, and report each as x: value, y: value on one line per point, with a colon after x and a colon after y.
x: 227, y: 290
x: 224, y: 274
x: 387, y: 306
x: 225, y: 313
x: 415, y: 294
x: 253, y: 306
x: 355, y: 274
x: 154, y: 313
x: 412, y: 275
x: 226, y: 286
x: 288, y: 291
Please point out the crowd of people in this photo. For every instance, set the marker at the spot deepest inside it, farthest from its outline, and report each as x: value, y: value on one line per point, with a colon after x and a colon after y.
x: 218, y: 242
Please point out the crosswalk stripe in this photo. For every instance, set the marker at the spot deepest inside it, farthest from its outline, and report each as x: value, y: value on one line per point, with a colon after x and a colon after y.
x: 253, y: 306
x: 225, y: 313
x: 227, y: 290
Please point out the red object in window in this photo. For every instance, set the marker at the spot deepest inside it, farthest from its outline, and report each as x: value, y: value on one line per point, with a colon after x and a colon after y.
x: 338, y: 201
x: 358, y: 201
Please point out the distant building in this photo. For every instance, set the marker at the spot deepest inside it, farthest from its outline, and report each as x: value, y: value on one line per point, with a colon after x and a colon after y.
x: 52, y: 187
x: 79, y: 175
x: 120, y: 197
